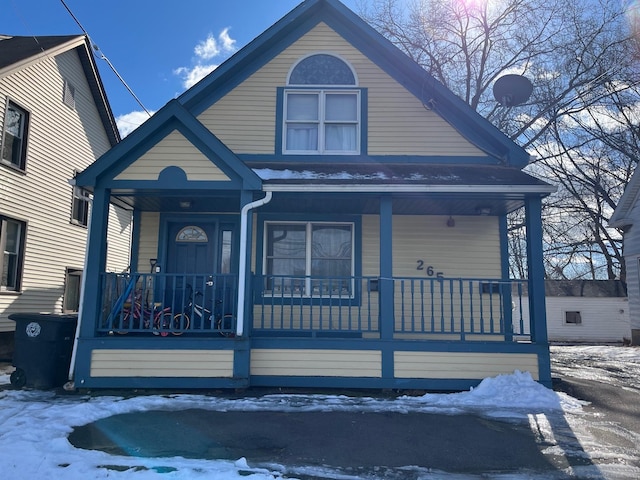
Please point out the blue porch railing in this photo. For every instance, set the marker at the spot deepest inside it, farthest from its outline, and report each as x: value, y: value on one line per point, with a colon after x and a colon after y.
x: 168, y: 304
x: 423, y: 308
x: 349, y: 307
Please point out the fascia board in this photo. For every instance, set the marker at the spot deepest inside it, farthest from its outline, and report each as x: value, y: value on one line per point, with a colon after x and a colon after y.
x: 50, y: 52
x: 484, y: 189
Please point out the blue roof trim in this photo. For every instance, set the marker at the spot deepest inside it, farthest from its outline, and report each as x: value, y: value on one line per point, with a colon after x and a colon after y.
x: 173, y: 116
x: 378, y: 49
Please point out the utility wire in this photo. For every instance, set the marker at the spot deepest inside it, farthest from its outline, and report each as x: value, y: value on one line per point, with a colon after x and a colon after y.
x: 104, y: 57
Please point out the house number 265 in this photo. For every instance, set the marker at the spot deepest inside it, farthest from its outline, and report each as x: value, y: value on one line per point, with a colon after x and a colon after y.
x: 428, y: 269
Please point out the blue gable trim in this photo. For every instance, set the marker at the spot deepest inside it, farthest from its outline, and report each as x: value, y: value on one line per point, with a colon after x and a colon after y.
x: 171, y: 117
x: 378, y: 49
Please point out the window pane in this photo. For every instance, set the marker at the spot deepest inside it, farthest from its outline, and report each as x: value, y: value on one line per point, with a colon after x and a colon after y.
x: 13, y: 135
x: 341, y: 137
x: 225, y: 260
x: 9, y: 278
x: 341, y: 107
x: 302, y: 106
x: 322, y: 69
x: 286, y: 241
x: 302, y: 136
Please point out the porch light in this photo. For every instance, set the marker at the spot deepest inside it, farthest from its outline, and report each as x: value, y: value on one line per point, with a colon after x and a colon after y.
x: 184, y: 204
x: 483, y: 210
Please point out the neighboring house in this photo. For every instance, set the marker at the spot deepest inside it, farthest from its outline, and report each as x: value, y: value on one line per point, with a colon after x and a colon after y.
x: 54, y: 120
x: 626, y: 217
x: 341, y: 213
x: 586, y: 311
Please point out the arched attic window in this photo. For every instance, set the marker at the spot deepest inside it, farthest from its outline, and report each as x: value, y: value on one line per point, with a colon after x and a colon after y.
x: 322, y: 107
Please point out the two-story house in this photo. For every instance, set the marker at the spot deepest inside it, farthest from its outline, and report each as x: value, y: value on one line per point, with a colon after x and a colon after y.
x: 317, y: 212
x: 55, y: 120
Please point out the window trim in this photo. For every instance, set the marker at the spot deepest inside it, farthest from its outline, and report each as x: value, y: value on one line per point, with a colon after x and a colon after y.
x: 66, y: 296
x: 322, y: 93
x: 309, y: 224
x: 82, y: 195
x: 576, y: 314
x: 21, y: 243
x: 22, y: 165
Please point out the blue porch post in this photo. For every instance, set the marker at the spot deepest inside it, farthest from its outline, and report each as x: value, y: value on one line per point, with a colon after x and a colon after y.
x: 505, y: 287
x: 385, y: 284
x: 537, y: 307
x: 96, y: 261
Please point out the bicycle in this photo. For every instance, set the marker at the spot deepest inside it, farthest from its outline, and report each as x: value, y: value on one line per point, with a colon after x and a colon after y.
x: 223, y: 323
x: 162, y: 319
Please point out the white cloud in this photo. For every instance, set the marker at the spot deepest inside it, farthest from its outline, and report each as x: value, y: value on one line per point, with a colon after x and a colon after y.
x: 191, y: 76
x: 128, y: 122
x: 205, y: 50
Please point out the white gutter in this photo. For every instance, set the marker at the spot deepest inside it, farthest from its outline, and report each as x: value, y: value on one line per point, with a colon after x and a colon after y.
x: 242, y: 269
x: 72, y: 367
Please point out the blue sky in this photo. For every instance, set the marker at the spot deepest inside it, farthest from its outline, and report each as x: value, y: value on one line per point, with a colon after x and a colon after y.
x: 157, y: 46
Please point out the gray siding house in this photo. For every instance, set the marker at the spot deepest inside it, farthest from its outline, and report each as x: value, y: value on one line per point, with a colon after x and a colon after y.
x: 55, y: 120
x: 626, y: 217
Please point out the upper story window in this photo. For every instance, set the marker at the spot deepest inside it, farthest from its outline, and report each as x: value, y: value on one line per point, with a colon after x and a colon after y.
x: 80, y: 207
x: 14, y: 136
x: 322, y: 108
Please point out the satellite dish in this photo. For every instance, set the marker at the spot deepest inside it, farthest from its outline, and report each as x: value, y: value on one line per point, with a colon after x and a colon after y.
x: 510, y: 90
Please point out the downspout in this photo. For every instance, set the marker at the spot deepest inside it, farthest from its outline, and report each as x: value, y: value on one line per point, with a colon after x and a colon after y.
x: 72, y: 366
x: 242, y: 268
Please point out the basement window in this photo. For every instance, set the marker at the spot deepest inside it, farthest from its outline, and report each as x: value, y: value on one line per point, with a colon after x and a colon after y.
x: 572, y: 318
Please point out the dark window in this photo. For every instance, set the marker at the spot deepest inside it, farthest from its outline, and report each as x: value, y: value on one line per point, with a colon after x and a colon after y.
x: 73, y: 281
x: 14, y: 136
x: 12, y: 233
x: 80, y: 208
x: 572, y: 318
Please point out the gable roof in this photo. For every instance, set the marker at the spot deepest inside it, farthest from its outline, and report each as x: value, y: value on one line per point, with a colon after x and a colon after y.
x: 170, y: 117
x: 18, y: 52
x: 378, y: 49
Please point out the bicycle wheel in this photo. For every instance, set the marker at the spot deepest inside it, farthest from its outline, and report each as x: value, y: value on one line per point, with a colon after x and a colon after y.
x: 124, y: 325
x: 225, y: 325
x: 179, y: 323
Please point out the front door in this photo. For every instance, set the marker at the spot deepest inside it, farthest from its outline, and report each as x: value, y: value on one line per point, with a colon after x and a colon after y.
x: 199, y: 252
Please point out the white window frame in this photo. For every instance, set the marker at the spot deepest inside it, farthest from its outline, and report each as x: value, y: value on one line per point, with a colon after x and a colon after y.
x: 308, y: 293
x: 321, y: 121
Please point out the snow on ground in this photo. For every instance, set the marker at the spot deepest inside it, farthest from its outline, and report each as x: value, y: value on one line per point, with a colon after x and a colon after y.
x: 34, y: 425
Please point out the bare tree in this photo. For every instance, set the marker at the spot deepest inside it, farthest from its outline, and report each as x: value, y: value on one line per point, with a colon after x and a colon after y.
x: 580, y: 121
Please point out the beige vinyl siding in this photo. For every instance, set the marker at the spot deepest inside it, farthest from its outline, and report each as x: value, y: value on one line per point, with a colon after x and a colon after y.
x: 316, y: 363
x: 460, y: 365
x: 118, y: 239
x: 399, y: 124
x: 162, y: 363
x: 173, y: 150
x: 149, y: 229
x: 60, y: 139
x: 470, y: 250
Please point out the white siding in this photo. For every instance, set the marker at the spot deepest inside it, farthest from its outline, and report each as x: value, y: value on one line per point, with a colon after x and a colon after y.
x: 604, y: 319
x: 60, y: 139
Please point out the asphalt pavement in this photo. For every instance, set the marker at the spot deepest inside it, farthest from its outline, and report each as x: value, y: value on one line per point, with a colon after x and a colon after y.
x: 350, y: 443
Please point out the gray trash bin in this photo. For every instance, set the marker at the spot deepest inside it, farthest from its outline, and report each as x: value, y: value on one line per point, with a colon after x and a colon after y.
x: 43, y: 348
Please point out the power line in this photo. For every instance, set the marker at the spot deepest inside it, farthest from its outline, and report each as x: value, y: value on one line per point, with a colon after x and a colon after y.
x: 104, y: 57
